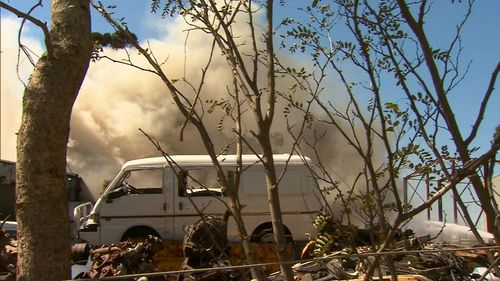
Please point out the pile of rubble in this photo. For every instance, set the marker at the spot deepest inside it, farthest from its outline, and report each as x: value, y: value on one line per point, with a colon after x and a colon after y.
x: 8, y: 256
x: 123, y: 258
x: 113, y: 260
x: 414, y: 258
x: 206, y: 246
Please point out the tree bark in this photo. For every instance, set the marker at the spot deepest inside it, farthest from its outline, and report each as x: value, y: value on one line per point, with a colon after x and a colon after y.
x: 41, y: 196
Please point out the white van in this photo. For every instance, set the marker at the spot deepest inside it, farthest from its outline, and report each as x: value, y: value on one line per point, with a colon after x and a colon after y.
x: 154, y: 197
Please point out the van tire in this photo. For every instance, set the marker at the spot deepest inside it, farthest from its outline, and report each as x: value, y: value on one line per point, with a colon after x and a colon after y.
x: 139, y: 233
x: 267, y: 236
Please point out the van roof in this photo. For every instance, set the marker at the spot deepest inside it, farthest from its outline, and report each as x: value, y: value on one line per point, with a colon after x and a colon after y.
x: 205, y: 160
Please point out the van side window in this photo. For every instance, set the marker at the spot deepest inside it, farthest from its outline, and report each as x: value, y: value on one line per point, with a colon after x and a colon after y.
x: 292, y: 183
x: 146, y: 181
x: 198, y: 182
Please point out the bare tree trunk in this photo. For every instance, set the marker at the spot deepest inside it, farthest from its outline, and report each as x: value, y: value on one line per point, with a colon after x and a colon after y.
x: 275, y: 210
x: 41, y: 197
x: 263, y: 136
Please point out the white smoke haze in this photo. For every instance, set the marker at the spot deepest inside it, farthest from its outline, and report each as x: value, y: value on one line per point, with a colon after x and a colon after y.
x: 11, y: 88
x: 116, y: 100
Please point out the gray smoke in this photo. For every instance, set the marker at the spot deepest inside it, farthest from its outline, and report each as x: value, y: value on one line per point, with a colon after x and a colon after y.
x: 117, y: 100
x: 11, y: 88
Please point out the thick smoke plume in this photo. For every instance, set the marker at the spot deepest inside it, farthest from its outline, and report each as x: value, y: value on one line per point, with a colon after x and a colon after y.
x: 11, y: 86
x: 116, y: 100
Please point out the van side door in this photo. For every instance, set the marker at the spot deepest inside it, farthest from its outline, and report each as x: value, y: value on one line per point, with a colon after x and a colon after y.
x: 196, y: 193
x: 137, y: 200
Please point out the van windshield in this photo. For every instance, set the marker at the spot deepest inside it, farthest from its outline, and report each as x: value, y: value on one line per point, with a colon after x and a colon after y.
x: 143, y: 181
x: 150, y: 178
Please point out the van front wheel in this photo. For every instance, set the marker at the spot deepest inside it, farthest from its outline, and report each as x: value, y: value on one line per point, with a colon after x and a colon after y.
x: 139, y: 233
x: 266, y: 236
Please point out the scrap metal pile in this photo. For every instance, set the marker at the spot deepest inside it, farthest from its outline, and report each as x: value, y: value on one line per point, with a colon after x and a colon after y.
x: 206, y: 246
x: 418, y: 258
x: 8, y: 257
x: 343, y: 252
x: 113, y: 260
x: 123, y: 258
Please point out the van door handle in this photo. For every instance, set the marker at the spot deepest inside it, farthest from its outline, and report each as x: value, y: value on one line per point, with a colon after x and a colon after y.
x: 180, y: 205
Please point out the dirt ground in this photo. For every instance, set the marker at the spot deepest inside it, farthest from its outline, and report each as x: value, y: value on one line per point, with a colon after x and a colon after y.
x: 171, y: 257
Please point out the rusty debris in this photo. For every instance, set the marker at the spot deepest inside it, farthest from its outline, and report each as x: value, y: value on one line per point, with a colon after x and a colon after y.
x: 8, y: 257
x: 123, y: 258
x: 415, y: 259
x: 206, y: 246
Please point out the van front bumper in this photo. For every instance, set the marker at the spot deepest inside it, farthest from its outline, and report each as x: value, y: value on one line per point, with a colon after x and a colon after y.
x: 90, y: 233
x: 89, y: 227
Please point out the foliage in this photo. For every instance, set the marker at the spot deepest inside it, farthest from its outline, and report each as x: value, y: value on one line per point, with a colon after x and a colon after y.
x: 116, y: 40
x: 397, y: 116
x: 394, y: 112
x: 248, y: 92
x: 329, y: 235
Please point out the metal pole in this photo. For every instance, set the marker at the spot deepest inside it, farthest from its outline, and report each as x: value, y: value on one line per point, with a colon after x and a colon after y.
x: 455, y: 207
x: 440, y: 205
x: 427, y: 190
x: 405, y: 191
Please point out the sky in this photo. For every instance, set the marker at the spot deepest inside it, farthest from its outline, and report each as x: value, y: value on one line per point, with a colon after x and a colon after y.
x: 115, y: 102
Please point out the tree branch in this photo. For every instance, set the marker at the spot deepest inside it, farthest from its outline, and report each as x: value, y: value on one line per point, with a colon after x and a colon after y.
x: 447, y: 112
x: 467, y: 170
x: 480, y: 116
x: 39, y: 23
x: 271, y: 81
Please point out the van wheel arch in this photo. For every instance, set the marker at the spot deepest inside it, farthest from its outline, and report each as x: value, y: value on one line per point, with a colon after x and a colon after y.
x: 139, y: 233
x: 264, y: 234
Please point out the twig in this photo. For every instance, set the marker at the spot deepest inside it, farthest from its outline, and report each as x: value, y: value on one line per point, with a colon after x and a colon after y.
x: 39, y: 23
x: 483, y: 277
x: 480, y: 116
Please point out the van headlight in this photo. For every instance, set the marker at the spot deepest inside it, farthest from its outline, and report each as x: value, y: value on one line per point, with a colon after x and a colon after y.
x: 93, y: 218
x: 92, y: 227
